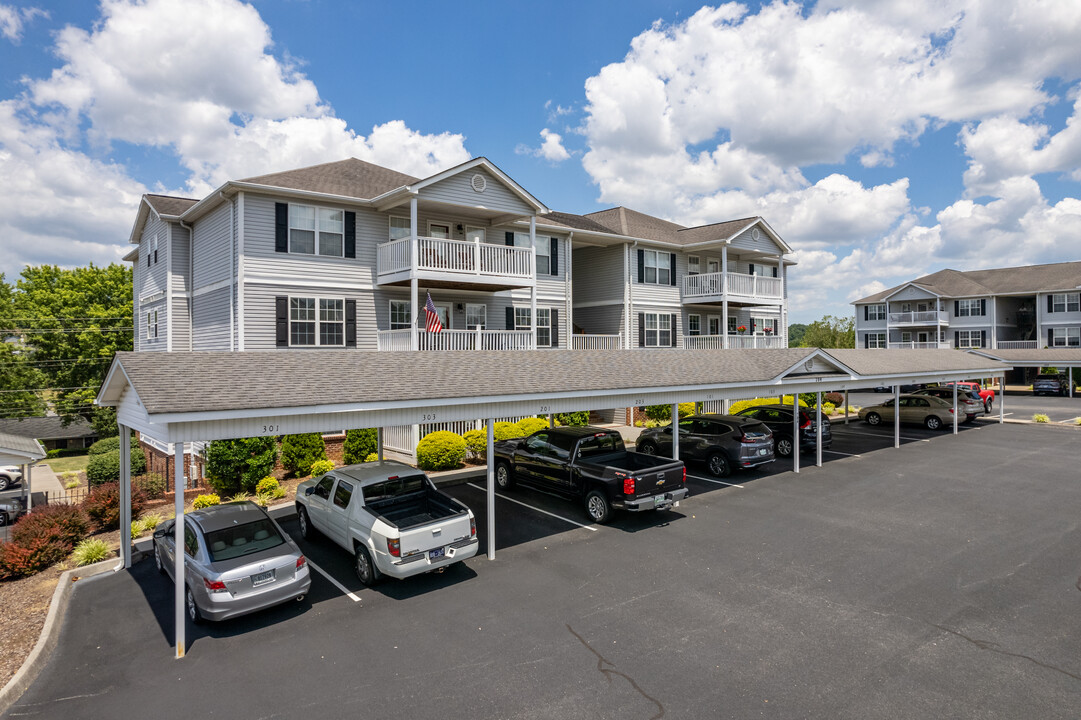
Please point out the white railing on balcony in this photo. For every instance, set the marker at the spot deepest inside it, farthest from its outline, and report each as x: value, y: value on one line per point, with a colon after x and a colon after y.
x: 925, y: 317
x: 457, y: 340
x: 712, y: 284
x: 460, y: 257
x: 716, y: 342
x: 919, y: 346
x: 1017, y: 344
x: 596, y: 342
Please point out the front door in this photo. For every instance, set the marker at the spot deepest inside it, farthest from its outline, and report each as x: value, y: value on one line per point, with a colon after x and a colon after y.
x: 921, y: 337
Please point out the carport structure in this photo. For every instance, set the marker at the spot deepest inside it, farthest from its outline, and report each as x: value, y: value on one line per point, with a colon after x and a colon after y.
x: 1062, y: 358
x: 180, y: 397
x: 21, y: 451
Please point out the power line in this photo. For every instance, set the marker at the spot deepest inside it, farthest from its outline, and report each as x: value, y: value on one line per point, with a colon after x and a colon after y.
x: 25, y: 331
x: 45, y: 318
x: 57, y: 361
x: 47, y: 389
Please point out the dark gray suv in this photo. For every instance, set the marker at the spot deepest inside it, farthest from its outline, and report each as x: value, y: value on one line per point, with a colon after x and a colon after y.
x: 1051, y: 384
x: 722, y: 442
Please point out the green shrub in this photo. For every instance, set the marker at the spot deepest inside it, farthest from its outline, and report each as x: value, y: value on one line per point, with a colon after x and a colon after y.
x: 505, y: 431
x: 476, y: 442
x: 240, y: 497
x: 267, y: 484
x: 102, y: 505
x: 23, y: 560
x: 105, y: 467
x: 741, y: 405
x: 152, y: 485
x: 528, y: 426
x: 300, y: 451
x: 90, y: 551
x: 65, y: 524
x: 664, y: 412
x: 109, y: 444
x: 573, y: 418
x: 206, y: 500
x: 64, y: 452
x: 71, y: 484
x: 264, y: 498
x: 371, y: 457
x: 320, y: 468
x: 440, y: 450
x: 359, y: 444
x: 137, y: 529
x: 234, y: 465
x: 1040, y: 418
x: 828, y: 408
x: 835, y: 398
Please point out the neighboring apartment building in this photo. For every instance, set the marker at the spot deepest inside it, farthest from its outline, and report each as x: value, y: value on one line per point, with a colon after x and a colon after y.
x: 345, y: 254
x: 1022, y: 307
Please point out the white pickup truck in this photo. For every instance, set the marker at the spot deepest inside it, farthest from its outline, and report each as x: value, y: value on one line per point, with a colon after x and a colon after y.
x: 390, y: 517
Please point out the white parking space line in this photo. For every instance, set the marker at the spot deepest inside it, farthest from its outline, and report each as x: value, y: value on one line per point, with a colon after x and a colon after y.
x: 835, y: 452
x: 881, y: 435
x: 335, y: 583
x: 719, y: 482
x: 532, y: 507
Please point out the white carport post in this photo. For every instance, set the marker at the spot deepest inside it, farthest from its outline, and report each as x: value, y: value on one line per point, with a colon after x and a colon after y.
x: 551, y: 420
x: 795, y: 432
x: 675, y: 431
x: 1069, y: 375
x: 819, y: 417
x: 846, y: 406
x: 414, y: 263
x: 491, y: 488
x: 1002, y: 399
x: 125, y: 495
x: 379, y: 443
x: 897, y: 416
x: 954, y: 407
x: 180, y: 581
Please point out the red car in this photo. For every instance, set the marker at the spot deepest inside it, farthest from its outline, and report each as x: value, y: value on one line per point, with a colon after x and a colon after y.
x: 986, y: 394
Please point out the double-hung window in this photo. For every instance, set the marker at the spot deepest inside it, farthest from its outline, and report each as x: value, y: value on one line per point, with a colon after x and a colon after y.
x: 544, y: 324
x: 876, y: 312
x: 694, y: 265
x: 1066, y: 302
x: 316, y: 231
x: 544, y: 251
x: 658, y: 267
x: 733, y: 324
x: 969, y: 308
x: 151, y: 324
x: 400, y: 316
x: 694, y: 324
x: 658, y: 329
x: 764, y: 326
x: 399, y: 228
x: 316, y: 321
x: 876, y: 340
x: 1066, y: 337
x: 969, y: 339
x: 476, y: 317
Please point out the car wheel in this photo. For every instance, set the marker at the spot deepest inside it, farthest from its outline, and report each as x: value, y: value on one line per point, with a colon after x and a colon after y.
x: 598, y: 507
x: 933, y: 422
x: 4, y: 481
x: 647, y: 448
x: 3, y: 519
x: 873, y: 419
x: 718, y: 465
x: 987, y: 407
x: 193, y: 609
x: 784, y: 446
x: 365, y: 569
x: 157, y: 559
x: 504, y: 478
x: 305, y: 523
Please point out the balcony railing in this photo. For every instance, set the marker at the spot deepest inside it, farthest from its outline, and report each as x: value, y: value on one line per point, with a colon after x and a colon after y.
x: 458, y: 257
x: 596, y: 342
x: 1017, y: 344
x: 716, y: 342
x: 923, y: 317
x: 457, y: 340
x: 712, y: 285
x: 920, y: 346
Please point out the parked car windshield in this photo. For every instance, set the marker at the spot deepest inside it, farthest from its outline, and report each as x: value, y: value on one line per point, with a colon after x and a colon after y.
x: 243, y: 540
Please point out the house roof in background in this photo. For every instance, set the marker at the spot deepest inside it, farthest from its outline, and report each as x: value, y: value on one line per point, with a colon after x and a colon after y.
x: 46, y: 428
x: 17, y: 446
x: 996, y: 281
x: 346, y: 178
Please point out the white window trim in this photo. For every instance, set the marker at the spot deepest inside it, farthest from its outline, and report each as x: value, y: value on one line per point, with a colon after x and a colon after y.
x: 441, y: 223
x: 318, y: 337
x: 315, y: 240
x: 969, y: 308
x: 469, y: 308
x: 546, y: 269
x: 876, y: 340
x: 390, y: 316
x: 656, y: 267
x: 658, y: 329
x: 474, y: 228
x: 709, y: 322
x: 691, y: 330
x: 969, y: 339
x: 1064, y: 333
x: 1067, y: 300
x: 759, y: 325
x: 519, y: 326
x: 876, y: 312
x: 390, y: 227
x: 694, y: 268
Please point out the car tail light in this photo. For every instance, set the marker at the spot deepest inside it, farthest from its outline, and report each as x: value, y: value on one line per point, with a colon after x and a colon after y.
x: 684, y: 474
x: 806, y: 422
x: 472, y: 527
x: 214, y: 585
x: 747, y: 440
x: 394, y: 547
x: 628, y: 486
x: 301, y: 562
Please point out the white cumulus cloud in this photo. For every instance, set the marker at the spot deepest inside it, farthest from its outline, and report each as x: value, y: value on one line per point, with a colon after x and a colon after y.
x: 13, y: 20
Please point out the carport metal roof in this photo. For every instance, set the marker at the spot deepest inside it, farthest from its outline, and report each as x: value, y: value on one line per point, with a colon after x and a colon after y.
x: 1035, y: 357
x: 19, y: 450
x: 197, y: 396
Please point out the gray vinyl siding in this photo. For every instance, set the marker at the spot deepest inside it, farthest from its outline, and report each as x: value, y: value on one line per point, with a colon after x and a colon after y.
x: 457, y: 190
x: 213, y: 250
x: 211, y: 314
x: 599, y: 319
x: 160, y: 343
x: 746, y: 241
x: 652, y: 294
x: 180, y: 258
x: 598, y: 275
x: 649, y: 308
x: 180, y: 323
x: 153, y: 278
x: 259, y: 311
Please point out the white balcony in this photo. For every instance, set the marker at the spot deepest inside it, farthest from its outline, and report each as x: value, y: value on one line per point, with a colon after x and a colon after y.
x: 455, y: 262
x: 924, y: 317
x: 596, y: 342
x: 710, y: 287
x: 457, y: 340
x: 912, y: 345
x: 716, y: 342
x: 1017, y: 345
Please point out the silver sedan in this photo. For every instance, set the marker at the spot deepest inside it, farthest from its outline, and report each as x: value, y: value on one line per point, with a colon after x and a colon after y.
x: 237, y: 560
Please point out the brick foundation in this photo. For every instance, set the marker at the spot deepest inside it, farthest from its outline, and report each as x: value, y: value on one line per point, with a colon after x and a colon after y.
x: 162, y: 464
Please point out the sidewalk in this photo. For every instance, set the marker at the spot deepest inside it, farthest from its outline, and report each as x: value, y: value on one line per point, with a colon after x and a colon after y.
x: 44, y: 480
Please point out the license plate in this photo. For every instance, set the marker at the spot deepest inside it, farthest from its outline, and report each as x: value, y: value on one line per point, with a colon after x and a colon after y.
x: 262, y: 578
x: 437, y: 553
x: 659, y: 500
x: 763, y: 451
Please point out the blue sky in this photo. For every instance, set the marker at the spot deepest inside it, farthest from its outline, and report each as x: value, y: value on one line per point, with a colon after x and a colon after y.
x: 883, y: 139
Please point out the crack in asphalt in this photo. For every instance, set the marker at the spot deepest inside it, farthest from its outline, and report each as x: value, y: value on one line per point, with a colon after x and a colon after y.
x: 609, y: 672
x: 993, y: 647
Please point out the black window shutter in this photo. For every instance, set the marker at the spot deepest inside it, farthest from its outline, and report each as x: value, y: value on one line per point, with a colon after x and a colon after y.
x: 148, y: 259
x: 155, y: 255
x: 751, y: 269
x: 866, y: 312
x: 350, y: 323
x: 866, y: 338
x: 641, y: 328
x: 555, y: 327
x: 281, y: 227
x: 510, y: 318
x: 956, y: 339
x: 281, y: 321
x: 956, y: 308
x: 1050, y: 303
x: 641, y: 266
x: 350, y: 234
x: 554, y: 250
x: 983, y: 338
x: 983, y: 307
x: 1050, y: 336
x: 774, y: 271
x: 508, y: 239
x: 672, y: 274
x: 674, y: 316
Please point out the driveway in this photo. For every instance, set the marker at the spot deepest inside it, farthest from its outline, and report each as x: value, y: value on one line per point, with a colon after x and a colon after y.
x: 936, y: 580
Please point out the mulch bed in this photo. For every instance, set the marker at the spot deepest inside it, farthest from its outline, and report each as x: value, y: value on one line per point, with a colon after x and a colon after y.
x: 25, y: 605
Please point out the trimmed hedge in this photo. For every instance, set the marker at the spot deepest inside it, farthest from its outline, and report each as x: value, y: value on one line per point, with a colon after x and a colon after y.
x: 105, y: 467
x: 663, y: 413
x: 109, y: 444
x: 234, y: 465
x: 207, y: 500
x: 267, y: 485
x: 319, y: 468
x: 440, y: 450
x: 505, y: 431
x: 359, y: 444
x: 573, y: 418
x: 530, y: 425
x: 476, y: 442
x: 744, y: 404
x: 300, y: 451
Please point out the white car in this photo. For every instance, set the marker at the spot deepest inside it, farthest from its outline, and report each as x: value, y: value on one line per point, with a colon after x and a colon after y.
x: 10, y: 476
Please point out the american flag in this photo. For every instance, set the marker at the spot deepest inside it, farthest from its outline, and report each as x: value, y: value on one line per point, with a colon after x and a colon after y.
x: 432, y: 322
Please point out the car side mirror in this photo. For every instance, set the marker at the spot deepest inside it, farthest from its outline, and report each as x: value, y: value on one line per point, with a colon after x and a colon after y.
x: 309, y: 490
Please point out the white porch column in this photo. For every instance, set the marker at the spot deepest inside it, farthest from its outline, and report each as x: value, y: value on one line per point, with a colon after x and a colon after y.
x: 897, y: 416
x: 675, y: 431
x: 379, y: 443
x: 783, y: 306
x: 29, y: 505
x: 180, y: 584
x: 725, y: 405
x: 533, y: 290
x: 414, y: 262
x: 1069, y: 374
x: 491, y: 488
x: 795, y: 432
x: 1002, y: 399
x: 955, y: 407
x: 125, y: 495
x: 724, y: 298
x: 818, y: 428
x: 994, y: 322
x: 551, y: 420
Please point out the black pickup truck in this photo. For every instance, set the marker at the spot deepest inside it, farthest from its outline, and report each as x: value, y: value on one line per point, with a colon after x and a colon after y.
x: 591, y: 464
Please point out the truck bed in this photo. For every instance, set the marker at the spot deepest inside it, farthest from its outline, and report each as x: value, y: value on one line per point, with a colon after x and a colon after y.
x: 414, y: 510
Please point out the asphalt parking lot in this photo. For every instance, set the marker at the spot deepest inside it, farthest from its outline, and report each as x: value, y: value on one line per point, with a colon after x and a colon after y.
x: 937, y: 580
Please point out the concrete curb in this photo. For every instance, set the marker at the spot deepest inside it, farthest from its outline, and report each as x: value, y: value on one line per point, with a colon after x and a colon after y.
x: 50, y: 631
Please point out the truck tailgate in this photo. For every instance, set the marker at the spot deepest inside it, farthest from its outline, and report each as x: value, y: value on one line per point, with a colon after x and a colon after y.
x: 655, y: 481
x: 437, y: 535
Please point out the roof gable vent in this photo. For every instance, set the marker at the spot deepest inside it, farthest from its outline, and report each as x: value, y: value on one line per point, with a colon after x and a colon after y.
x: 478, y: 183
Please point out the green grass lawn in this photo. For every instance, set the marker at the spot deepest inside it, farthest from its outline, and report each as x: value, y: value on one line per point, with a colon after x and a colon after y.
x: 66, y: 464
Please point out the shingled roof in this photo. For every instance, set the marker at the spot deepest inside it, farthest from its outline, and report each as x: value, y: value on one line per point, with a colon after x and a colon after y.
x: 347, y: 178
x: 1027, y: 278
x: 20, y: 447
x: 46, y: 428
x: 169, y: 205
